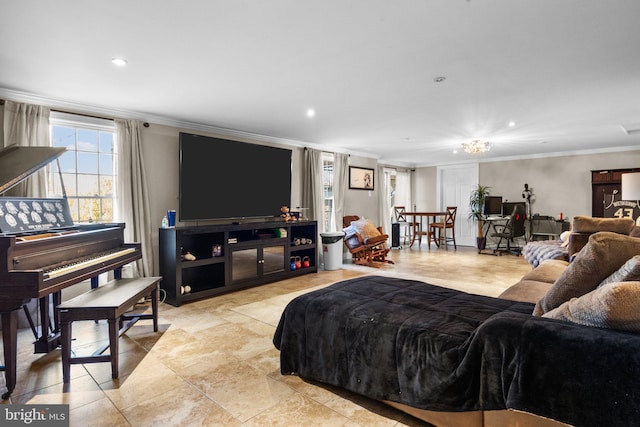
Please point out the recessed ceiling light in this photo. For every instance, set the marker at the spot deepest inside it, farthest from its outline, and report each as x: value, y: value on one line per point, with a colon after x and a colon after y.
x: 311, y: 112
x: 439, y: 79
x: 120, y: 62
x: 455, y: 151
x: 512, y: 124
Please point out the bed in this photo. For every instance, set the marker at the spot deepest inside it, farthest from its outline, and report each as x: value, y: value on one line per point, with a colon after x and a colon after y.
x: 439, y: 349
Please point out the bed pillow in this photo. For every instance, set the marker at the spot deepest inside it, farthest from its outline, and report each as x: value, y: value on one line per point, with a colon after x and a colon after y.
x: 614, y: 305
x: 630, y: 271
x: 589, y: 224
x: 604, y: 253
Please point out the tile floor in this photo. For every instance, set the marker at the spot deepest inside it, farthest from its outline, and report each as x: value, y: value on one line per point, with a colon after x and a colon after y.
x: 213, y: 362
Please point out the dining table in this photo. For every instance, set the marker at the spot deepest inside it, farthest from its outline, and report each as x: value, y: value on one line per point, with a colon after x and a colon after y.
x: 416, y: 224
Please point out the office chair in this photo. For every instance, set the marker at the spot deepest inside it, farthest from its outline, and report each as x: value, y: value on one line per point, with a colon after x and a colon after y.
x: 510, y: 231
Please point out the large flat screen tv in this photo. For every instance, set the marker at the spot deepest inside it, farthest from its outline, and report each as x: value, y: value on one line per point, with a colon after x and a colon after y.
x: 225, y: 179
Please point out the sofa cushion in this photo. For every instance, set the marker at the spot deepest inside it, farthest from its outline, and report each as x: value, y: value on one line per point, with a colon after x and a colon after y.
x: 629, y: 271
x: 589, y: 224
x: 526, y: 291
x: 548, y: 271
x: 604, y: 253
x: 614, y: 306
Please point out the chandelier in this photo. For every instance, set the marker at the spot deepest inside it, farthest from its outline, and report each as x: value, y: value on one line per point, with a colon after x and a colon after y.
x: 476, y: 146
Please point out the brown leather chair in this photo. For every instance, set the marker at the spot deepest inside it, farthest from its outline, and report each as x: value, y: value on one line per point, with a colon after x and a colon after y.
x: 365, y: 251
x: 438, y: 230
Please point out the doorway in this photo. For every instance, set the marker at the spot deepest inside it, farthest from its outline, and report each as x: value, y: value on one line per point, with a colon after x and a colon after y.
x: 454, y: 187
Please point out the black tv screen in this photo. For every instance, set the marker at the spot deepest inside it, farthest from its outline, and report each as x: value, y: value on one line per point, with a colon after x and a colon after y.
x: 221, y: 179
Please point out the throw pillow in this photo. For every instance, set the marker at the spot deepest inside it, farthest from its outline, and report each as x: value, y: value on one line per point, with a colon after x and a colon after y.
x: 589, y: 224
x: 365, y: 228
x: 602, y: 255
x: 635, y: 232
x: 629, y: 271
x: 614, y: 306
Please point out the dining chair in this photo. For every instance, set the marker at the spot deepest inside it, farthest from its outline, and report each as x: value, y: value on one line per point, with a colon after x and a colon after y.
x: 438, y: 229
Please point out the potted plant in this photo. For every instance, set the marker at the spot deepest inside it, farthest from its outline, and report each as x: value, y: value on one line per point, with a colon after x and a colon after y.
x: 476, y: 205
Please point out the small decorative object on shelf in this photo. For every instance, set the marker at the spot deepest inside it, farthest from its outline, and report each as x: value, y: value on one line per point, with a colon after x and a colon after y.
x: 189, y: 257
x: 306, y: 261
x: 286, y: 215
x: 165, y: 222
x: 216, y: 250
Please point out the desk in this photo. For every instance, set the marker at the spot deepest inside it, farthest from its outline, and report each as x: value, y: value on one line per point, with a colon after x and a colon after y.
x: 417, y: 219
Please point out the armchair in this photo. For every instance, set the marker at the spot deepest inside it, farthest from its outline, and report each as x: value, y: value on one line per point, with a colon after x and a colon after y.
x: 366, y: 243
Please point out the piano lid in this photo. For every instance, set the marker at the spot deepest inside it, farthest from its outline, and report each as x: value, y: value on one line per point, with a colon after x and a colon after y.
x: 17, y: 163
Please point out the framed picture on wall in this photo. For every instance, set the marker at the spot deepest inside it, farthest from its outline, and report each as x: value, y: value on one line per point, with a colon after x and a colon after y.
x: 361, y: 178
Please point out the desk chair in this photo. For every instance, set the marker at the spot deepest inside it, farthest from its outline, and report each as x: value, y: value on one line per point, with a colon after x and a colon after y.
x: 438, y: 230
x: 401, y: 219
x: 508, y: 232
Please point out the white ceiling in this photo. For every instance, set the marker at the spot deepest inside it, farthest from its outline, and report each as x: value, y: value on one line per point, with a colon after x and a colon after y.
x: 567, y: 72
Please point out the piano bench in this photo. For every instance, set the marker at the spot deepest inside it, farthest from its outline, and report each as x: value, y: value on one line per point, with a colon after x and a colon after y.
x: 110, y: 302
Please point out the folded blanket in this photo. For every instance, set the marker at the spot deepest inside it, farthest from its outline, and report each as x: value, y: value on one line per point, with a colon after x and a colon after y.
x: 536, y: 252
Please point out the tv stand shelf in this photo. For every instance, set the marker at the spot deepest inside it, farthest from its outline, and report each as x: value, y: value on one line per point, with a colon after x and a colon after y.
x: 250, y: 254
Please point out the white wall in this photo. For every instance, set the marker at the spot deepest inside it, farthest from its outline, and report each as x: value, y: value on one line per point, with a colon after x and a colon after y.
x: 560, y: 184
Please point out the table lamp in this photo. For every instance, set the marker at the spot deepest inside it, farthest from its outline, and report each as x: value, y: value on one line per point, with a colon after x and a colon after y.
x: 631, y: 186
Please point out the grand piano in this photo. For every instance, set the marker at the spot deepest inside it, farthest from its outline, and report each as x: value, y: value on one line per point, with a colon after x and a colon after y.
x: 42, y: 252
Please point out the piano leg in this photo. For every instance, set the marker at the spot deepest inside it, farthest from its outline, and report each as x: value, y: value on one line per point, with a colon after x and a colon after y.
x: 10, y: 347
x: 49, y: 338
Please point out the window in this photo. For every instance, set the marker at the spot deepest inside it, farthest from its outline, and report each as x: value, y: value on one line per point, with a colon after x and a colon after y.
x: 327, y: 183
x: 88, y: 166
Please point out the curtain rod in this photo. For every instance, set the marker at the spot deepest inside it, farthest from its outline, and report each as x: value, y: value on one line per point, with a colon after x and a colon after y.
x: 145, y: 124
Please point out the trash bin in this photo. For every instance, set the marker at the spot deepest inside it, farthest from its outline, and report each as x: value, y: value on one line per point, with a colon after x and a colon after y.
x: 332, y: 249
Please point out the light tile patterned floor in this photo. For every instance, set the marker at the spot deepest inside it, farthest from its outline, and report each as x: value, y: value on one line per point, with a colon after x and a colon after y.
x: 213, y: 362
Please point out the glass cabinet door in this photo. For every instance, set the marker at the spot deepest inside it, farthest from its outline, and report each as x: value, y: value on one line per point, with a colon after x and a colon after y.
x: 273, y: 259
x: 244, y: 264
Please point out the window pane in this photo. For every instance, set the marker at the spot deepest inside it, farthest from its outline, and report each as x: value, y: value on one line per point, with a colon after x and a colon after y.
x: 87, y: 140
x: 89, y: 210
x: 87, y: 185
x: 106, y: 186
x: 68, y: 162
x: 106, y: 142
x: 87, y: 162
x: 62, y: 136
x: 69, y: 184
x: 107, y: 210
x: 106, y: 164
x: 73, y: 208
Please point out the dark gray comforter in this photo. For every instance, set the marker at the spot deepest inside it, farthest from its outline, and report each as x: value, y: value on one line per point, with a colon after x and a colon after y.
x: 440, y: 349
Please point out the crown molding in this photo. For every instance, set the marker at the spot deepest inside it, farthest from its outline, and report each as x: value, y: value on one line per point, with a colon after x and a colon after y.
x: 106, y: 112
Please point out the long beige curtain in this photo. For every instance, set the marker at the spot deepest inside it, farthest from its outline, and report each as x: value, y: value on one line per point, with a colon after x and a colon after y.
x: 340, y: 184
x: 132, y: 190
x: 27, y: 125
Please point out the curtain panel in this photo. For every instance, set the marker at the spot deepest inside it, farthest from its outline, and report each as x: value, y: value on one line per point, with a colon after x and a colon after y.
x: 132, y: 191
x: 27, y: 125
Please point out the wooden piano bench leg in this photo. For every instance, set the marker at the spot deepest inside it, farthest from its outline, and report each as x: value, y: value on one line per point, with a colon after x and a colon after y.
x: 65, y: 345
x: 114, y: 335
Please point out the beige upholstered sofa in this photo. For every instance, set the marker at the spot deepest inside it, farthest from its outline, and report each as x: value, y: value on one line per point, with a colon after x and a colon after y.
x: 570, y: 293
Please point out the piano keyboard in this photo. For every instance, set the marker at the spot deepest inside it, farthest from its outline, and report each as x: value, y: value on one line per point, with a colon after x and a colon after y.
x: 74, y: 266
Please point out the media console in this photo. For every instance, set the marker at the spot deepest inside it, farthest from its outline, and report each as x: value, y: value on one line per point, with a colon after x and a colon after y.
x: 230, y: 257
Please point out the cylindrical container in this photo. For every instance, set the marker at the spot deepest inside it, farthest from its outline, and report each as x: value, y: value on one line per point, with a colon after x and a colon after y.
x: 171, y: 216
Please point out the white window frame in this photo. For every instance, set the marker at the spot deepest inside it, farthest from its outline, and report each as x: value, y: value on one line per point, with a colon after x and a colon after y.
x: 89, y: 123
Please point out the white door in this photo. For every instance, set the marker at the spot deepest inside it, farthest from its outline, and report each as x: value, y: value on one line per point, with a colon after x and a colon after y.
x: 455, y: 184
